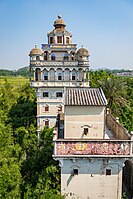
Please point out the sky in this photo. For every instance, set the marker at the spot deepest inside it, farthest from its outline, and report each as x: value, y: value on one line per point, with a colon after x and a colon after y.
x: 104, y: 27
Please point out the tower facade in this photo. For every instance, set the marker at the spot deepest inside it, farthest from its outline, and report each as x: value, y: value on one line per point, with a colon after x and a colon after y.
x: 57, y: 65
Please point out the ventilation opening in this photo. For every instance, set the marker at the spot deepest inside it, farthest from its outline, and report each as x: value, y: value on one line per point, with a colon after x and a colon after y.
x: 75, y: 172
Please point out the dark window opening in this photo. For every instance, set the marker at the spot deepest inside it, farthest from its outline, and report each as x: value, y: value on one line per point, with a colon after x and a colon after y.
x: 59, y: 76
x: 75, y: 172
x: 73, y: 76
x: 37, y: 58
x: 53, y: 57
x: 45, y: 94
x: 47, y: 123
x: 59, y: 94
x: 51, y: 40
x: 108, y: 172
x: 66, y: 57
x: 59, y: 39
x: 46, y: 55
x: 85, y: 131
x: 46, y: 76
x: 46, y: 108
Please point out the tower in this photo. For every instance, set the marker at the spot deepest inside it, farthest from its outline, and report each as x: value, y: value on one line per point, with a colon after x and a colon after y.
x: 53, y: 68
x: 89, y: 143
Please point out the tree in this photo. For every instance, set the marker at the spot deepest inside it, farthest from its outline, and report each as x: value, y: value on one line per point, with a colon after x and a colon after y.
x: 115, y: 92
x: 23, y: 113
x: 10, y: 176
x: 40, y: 173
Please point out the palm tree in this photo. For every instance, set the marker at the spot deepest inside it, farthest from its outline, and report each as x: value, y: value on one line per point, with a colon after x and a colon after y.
x: 115, y: 92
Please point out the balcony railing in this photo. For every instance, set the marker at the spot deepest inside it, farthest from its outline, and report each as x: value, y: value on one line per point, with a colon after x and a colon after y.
x: 90, y: 148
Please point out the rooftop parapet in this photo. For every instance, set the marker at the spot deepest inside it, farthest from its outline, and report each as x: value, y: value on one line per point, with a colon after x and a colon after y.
x: 116, y: 128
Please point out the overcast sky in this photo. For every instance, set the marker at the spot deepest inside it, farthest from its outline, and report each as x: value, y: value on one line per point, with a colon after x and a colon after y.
x: 104, y: 27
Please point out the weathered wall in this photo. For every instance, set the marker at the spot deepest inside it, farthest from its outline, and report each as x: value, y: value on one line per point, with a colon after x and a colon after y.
x: 92, y: 181
x: 118, y: 130
x: 78, y: 116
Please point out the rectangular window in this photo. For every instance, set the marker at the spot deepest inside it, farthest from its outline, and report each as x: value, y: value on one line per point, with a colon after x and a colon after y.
x: 67, y: 40
x: 47, y: 123
x: 108, y: 172
x: 45, y: 94
x: 75, y: 171
x: 85, y: 131
x: 58, y: 94
x: 51, y: 40
x: 59, y: 39
x: 46, y: 108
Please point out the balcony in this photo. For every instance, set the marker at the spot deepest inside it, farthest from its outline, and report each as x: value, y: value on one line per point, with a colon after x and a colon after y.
x: 37, y: 84
x: 58, y: 62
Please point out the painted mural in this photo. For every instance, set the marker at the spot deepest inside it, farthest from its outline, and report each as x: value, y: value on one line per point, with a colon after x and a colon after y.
x: 93, y: 148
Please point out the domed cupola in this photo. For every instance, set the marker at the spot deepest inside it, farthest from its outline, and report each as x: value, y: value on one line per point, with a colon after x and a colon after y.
x: 36, y: 54
x: 59, y: 23
x: 82, y: 54
x: 36, y: 51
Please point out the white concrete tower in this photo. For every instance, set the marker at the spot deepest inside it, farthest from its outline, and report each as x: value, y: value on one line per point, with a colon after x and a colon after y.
x: 56, y: 66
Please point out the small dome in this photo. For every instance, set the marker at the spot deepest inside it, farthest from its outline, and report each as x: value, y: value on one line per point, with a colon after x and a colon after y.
x: 59, y: 21
x: 83, y: 52
x: 36, y: 51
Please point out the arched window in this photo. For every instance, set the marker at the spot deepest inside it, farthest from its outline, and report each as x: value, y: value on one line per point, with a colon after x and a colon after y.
x: 46, y: 55
x: 46, y: 109
x: 53, y: 57
x: 67, y: 40
x: 73, y: 75
x: 46, y: 76
x: 66, y: 57
x: 72, y: 55
x: 38, y: 74
x: 67, y: 75
x: 80, y: 74
x: 52, y: 75
x: 51, y: 40
x: 59, y: 76
x: 37, y: 58
x: 59, y: 39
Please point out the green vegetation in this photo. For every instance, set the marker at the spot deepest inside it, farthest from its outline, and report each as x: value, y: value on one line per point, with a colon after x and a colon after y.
x: 27, y: 169
x: 119, y: 94
x: 20, y: 72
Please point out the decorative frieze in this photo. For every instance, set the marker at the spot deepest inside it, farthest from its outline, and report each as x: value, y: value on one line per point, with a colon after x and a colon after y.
x: 83, y: 148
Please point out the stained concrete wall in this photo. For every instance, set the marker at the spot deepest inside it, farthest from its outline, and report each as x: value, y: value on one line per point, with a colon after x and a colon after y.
x: 91, y: 181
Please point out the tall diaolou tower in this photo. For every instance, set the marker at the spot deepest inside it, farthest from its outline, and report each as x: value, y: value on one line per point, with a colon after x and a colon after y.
x: 57, y: 65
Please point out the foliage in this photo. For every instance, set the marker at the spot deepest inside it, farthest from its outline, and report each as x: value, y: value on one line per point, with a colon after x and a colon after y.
x: 119, y: 94
x: 27, y: 169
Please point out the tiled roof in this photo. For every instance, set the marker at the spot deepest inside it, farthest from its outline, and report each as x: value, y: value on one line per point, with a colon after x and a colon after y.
x: 85, y: 97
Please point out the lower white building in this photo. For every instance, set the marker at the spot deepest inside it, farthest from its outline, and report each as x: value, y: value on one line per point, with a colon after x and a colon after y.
x: 93, y: 148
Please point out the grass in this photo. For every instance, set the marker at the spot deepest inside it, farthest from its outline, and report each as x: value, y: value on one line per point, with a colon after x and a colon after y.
x: 14, y: 81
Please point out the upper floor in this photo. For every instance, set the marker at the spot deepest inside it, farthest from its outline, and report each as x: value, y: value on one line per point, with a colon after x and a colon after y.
x: 59, y: 60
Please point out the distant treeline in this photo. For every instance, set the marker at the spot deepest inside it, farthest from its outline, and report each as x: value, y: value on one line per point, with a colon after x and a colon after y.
x: 20, y: 72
